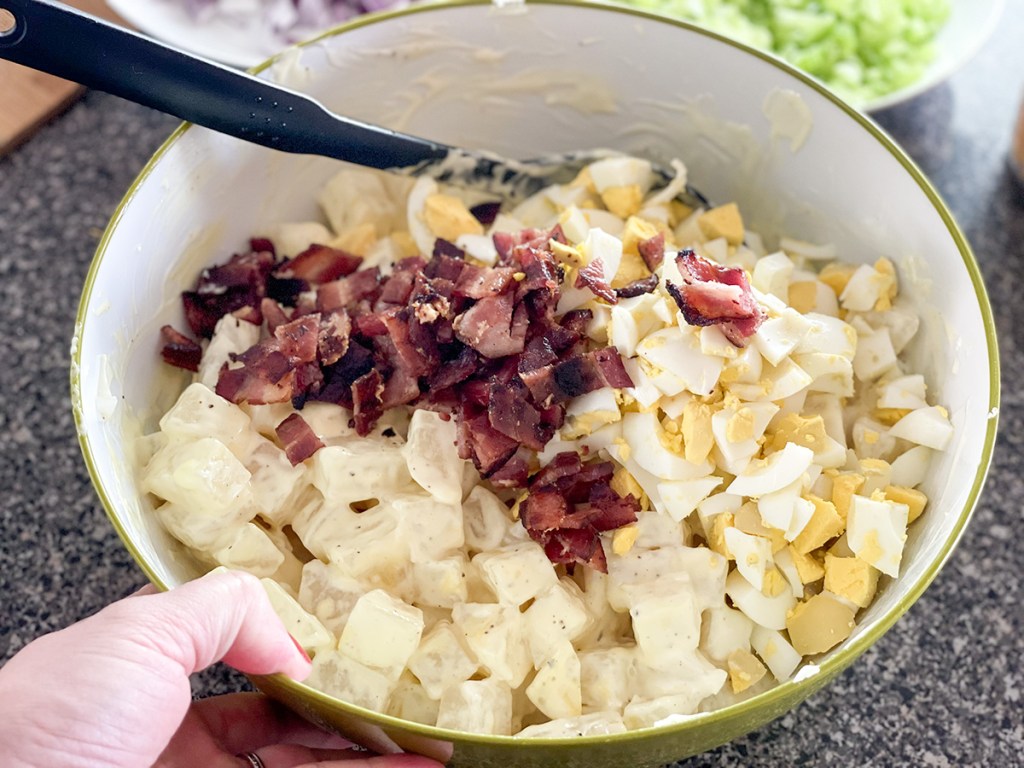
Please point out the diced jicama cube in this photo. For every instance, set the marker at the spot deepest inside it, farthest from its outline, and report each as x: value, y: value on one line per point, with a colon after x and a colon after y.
x: 409, y: 701
x: 274, y: 481
x: 705, y: 569
x: 555, y: 689
x: 432, y: 462
x: 666, y: 618
x: 432, y: 528
x: 200, y: 531
x: 202, y: 476
x: 606, y: 677
x: 495, y: 634
x: 305, y: 628
x: 200, y: 412
x: 359, y: 469
x: 592, y: 724
x: 440, y: 583
x: 556, y: 615
x: 329, y: 593
x: 382, y: 632
x: 690, y: 673
x: 654, y: 530
x: 724, y: 630
x: 767, y: 611
x: 336, y: 674
x: 440, y: 660
x: 485, y: 520
x: 250, y: 550
x: 517, y: 573
x: 876, y: 531
x: 477, y: 706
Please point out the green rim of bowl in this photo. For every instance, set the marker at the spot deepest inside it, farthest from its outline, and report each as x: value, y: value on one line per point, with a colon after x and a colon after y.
x: 827, y: 667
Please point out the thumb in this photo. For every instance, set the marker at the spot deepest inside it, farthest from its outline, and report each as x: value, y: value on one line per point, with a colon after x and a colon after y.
x: 226, y: 615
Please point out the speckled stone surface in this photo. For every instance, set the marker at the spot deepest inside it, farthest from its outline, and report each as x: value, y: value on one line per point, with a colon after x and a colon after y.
x: 942, y: 688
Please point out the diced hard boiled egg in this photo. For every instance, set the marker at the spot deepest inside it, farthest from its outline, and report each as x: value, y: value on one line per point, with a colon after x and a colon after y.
x: 774, y: 472
x: 929, y: 427
x: 779, y: 336
x: 621, y: 172
x: 681, y: 497
x: 645, y: 438
x: 753, y: 555
x: 772, y: 274
x: 768, y: 612
x: 589, y: 412
x: 876, y: 531
x: 678, y: 352
x: 904, y: 392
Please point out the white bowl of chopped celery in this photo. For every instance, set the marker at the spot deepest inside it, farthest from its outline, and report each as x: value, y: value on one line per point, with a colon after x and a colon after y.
x: 691, y: 468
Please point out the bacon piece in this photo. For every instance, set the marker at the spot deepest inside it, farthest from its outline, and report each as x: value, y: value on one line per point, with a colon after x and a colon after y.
x: 514, y: 473
x: 638, y: 287
x: 333, y: 336
x: 398, y: 287
x: 298, y: 339
x: 560, y: 472
x: 298, y: 439
x: 487, y: 327
x: 652, y: 250
x: 455, y: 371
x: 319, y: 264
x: 410, y: 355
x: 264, y: 376
x: 367, y: 405
x: 346, y: 292
x: 262, y: 244
x: 489, y: 448
x: 479, y: 282
x: 179, y: 350
x: 239, y: 283
x: 592, y: 277
x: 543, y: 510
x: 716, y: 295
x: 511, y: 413
x: 273, y: 314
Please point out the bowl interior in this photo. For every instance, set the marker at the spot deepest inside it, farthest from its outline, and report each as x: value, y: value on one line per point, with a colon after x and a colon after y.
x: 523, y: 81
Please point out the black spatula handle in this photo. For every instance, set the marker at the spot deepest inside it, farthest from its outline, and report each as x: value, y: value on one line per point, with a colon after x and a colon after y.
x: 53, y: 38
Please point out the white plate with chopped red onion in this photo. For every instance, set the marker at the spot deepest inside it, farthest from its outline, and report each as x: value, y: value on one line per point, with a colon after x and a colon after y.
x: 522, y: 438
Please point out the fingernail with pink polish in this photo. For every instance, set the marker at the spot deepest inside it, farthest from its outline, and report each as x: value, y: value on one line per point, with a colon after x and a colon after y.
x: 300, y: 648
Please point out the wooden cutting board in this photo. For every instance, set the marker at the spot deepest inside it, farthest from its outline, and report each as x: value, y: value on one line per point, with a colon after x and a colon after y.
x: 28, y: 99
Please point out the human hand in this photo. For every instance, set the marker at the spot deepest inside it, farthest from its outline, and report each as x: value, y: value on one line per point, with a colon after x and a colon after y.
x: 113, y: 691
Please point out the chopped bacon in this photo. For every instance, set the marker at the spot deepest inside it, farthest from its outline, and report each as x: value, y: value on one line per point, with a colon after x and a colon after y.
x: 569, y: 505
x: 319, y: 264
x: 239, y: 283
x: 263, y: 244
x: 273, y: 314
x: 652, y: 250
x: 716, y: 295
x: 346, y: 292
x: 638, y: 287
x: 298, y: 339
x: 179, y: 350
x: 263, y: 375
x: 298, y: 439
x: 478, y: 344
x: 487, y: 327
x: 367, y: 403
x: 592, y: 277
x: 333, y: 336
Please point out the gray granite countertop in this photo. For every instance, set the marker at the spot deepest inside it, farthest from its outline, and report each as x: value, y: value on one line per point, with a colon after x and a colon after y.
x: 943, y: 688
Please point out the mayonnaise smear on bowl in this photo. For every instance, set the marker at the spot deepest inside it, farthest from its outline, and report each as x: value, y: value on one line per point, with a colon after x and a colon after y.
x: 658, y: 467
